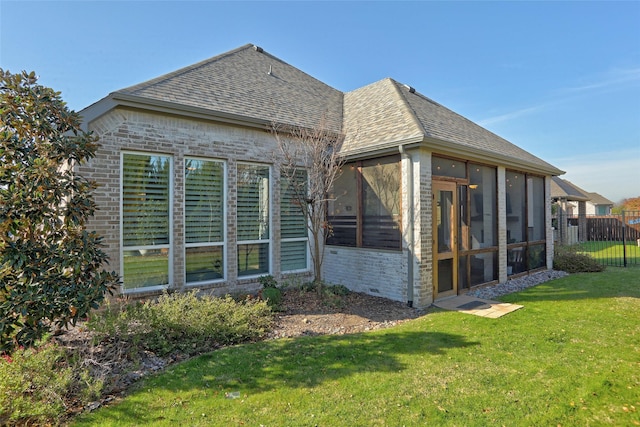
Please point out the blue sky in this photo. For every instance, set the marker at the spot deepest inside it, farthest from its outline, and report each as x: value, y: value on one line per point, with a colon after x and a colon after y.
x: 559, y: 79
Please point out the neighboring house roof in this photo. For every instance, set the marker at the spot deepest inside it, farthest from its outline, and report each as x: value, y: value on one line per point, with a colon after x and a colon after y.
x: 563, y: 189
x: 250, y: 86
x: 599, y: 200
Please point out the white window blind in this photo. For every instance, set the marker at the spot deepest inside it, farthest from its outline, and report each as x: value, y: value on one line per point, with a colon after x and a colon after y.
x: 146, y: 216
x: 252, y: 219
x: 204, y: 220
x: 293, y: 222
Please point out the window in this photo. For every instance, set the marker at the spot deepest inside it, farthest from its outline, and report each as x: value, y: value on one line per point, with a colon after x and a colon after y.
x: 526, y: 228
x: 146, y: 219
x: 204, y: 212
x: 294, y: 238
x: 448, y: 167
x: 252, y: 220
x: 365, y: 207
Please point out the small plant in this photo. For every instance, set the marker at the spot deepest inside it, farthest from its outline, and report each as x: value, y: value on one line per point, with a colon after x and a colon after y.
x: 273, y: 297
x: 339, y: 290
x: 567, y: 259
x: 268, y: 281
x: 35, y: 383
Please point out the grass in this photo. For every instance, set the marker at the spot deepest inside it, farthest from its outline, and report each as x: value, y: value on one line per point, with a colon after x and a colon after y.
x: 571, y: 356
x: 612, y: 252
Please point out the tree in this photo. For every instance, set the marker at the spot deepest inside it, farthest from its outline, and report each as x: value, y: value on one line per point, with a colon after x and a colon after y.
x: 314, y: 152
x: 51, y: 268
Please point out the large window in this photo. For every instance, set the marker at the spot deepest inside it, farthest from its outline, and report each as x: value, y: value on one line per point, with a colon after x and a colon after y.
x: 204, y: 212
x: 526, y: 230
x: 365, y: 206
x: 252, y: 219
x: 294, y: 236
x: 146, y: 220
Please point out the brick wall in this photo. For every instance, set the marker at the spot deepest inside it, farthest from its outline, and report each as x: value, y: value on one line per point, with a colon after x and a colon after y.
x: 128, y: 130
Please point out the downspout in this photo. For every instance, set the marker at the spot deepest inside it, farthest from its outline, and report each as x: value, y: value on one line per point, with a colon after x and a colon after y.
x: 410, y: 240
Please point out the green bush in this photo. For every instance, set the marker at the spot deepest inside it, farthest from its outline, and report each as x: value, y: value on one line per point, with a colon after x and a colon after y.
x: 339, y: 290
x: 34, y: 384
x: 268, y: 282
x: 183, y: 322
x: 567, y: 259
x: 273, y: 297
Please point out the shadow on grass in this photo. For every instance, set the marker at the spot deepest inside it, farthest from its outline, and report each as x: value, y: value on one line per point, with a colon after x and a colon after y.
x: 310, y: 361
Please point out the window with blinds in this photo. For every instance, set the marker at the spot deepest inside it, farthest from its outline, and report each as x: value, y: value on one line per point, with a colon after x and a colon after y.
x: 293, y: 222
x: 204, y: 212
x: 146, y: 218
x: 252, y: 219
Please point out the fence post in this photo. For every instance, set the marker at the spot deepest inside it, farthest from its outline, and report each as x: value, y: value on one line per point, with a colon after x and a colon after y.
x: 624, y: 240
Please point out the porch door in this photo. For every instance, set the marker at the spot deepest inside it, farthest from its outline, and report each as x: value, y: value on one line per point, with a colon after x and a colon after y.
x: 445, y: 242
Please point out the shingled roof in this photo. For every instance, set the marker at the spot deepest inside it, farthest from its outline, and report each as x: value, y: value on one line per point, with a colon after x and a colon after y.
x: 563, y: 189
x: 248, y: 85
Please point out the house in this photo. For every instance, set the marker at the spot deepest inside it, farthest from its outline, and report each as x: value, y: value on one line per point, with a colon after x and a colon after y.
x: 429, y: 204
x: 598, y: 205
x: 573, y: 206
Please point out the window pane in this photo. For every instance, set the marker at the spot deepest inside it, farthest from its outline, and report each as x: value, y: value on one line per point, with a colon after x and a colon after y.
x: 482, y: 200
x: 343, y: 208
x: 516, y: 220
x: 293, y: 255
x: 204, y: 263
x: 145, y: 200
x: 448, y: 167
x: 537, y: 256
x: 253, y: 259
x: 293, y: 222
x: 253, y: 202
x: 516, y: 261
x: 204, y: 204
x: 143, y: 268
x: 463, y: 280
x: 535, y: 192
x: 381, y: 203
x: 484, y: 268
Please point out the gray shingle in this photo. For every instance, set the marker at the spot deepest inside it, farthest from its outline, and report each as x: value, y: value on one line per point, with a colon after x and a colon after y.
x: 238, y: 82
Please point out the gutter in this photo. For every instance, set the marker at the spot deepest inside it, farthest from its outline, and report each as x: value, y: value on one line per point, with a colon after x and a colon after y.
x: 410, y: 220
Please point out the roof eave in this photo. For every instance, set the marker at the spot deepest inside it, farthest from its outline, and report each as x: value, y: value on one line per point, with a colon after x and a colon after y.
x: 117, y: 99
x: 470, y: 153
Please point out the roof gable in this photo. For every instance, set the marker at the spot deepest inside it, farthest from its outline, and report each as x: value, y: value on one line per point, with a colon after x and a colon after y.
x: 247, y: 82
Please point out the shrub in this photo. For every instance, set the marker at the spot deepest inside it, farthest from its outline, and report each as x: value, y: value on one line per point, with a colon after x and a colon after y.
x: 273, y: 297
x: 183, y: 322
x: 268, y: 282
x: 35, y: 383
x: 567, y: 259
x: 339, y: 290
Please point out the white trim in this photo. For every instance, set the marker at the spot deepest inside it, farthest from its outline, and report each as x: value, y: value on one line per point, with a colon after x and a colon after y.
x: 269, y: 240
x: 223, y: 243
x: 168, y: 246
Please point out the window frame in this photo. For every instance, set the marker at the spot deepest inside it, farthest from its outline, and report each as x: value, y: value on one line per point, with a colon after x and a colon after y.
x: 169, y: 247
x: 269, y: 240
x: 306, y: 238
x: 223, y: 242
x: 359, y: 200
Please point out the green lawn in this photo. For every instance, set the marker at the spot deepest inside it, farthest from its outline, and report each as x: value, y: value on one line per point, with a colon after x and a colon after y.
x: 611, y: 253
x: 571, y: 356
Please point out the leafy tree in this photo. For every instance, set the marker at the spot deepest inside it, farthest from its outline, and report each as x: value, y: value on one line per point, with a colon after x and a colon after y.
x: 51, y: 268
